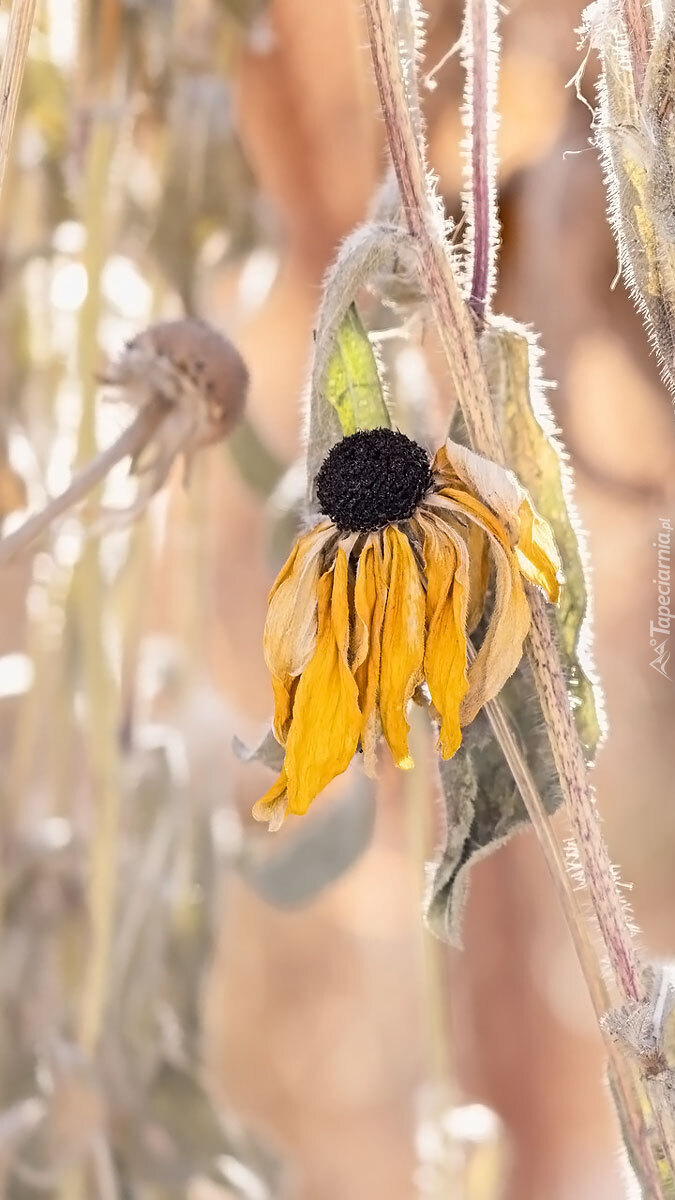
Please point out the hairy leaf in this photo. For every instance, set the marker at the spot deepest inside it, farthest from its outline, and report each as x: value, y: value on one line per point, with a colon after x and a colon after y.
x: 483, y: 806
x: 637, y: 141
x: 482, y: 802
x: 527, y: 430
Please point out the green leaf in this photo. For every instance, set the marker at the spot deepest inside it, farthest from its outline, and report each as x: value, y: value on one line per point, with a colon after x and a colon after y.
x: 352, y: 383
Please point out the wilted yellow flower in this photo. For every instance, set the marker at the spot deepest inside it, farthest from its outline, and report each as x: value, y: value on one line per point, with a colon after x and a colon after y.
x: 381, y: 596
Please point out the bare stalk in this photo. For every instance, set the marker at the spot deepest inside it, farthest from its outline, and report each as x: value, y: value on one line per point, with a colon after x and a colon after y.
x: 11, y: 74
x: 129, y: 443
x: 480, y: 55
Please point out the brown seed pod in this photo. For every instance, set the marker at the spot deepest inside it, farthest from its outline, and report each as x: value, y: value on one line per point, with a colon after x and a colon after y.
x: 194, y: 381
x: 210, y: 368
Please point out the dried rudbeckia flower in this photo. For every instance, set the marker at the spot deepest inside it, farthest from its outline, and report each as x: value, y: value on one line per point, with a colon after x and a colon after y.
x: 381, y: 596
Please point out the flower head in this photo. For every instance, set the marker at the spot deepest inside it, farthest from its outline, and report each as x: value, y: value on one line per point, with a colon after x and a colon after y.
x: 380, y: 597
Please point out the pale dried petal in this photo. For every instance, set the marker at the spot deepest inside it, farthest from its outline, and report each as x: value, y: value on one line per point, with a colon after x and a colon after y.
x: 290, y: 628
x: 497, y: 487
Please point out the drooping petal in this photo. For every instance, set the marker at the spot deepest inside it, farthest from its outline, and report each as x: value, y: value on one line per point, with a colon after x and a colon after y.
x: 494, y: 485
x: 272, y: 806
x: 473, y: 510
x: 326, y: 721
x: 536, y: 550
x: 447, y: 568
x: 502, y: 646
x: 370, y: 595
x: 290, y: 628
x: 478, y: 547
x: 504, y: 495
x: 402, y: 644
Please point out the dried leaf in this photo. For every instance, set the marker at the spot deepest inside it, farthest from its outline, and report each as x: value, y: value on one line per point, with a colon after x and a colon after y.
x: 527, y: 429
x: 483, y: 806
x: 638, y: 151
x: 323, y: 846
x: 268, y: 751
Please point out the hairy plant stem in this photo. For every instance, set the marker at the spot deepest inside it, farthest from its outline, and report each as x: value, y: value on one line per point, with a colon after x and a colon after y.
x: 620, y: 1071
x: 639, y: 23
x: 480, y: 52
x: 129, y: 443
x: 458, y: 334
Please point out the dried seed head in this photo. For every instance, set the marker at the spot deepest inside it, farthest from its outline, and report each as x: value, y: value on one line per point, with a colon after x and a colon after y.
x: 193, y: 379
x: 372, y: 478
x: 208, y: 365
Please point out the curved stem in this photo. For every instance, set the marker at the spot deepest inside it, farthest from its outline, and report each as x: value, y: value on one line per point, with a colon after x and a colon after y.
x: 128, y: 443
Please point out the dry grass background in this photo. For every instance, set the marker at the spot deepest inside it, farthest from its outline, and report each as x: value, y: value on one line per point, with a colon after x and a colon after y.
x: 320, y: 1022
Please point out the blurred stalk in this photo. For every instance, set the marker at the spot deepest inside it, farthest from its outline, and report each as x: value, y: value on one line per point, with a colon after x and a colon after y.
x: 419, y: 797
x: 128, y: 444
x: 449, y: 1164
x: 11, y: 74
x: 89, y: 592
x: 89, y: 596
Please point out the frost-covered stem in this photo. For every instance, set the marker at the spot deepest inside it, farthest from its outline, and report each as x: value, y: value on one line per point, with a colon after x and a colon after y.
x: 129, y: 443
x: 638, y: 20
x: 599, y: 873
x: 480, y: 58
x: 425, y: 223
x: 459, y: 338
x: 619, y: 1070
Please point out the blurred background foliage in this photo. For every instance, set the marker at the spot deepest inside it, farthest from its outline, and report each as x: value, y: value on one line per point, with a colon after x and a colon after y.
x: 187, y: 1006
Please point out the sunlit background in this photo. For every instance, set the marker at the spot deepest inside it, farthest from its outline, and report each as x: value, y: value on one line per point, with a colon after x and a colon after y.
x: 190, y: 1007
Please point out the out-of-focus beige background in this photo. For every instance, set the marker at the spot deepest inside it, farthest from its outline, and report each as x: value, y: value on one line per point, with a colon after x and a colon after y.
x: 322, y: 1024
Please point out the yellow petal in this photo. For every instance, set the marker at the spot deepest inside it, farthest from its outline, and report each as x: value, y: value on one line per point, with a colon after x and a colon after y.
x: 402, y: 644
x: 272, y: 806
x: 326, y: 722
x: 290, y: 628
x: 447, y: 570
x: 465, y: 505
x: 502, y: 646
x: 537, y: 552
x: 370, y: 593
x: 500, y: 491
x: 477, y: 544
x: 496, y: 486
